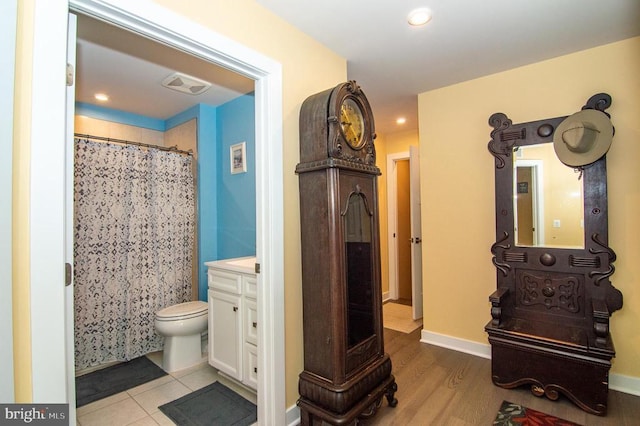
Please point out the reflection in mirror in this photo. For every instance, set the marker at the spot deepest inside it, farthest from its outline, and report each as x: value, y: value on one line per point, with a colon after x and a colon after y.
x: 548, y: 199
x: 359, y: 270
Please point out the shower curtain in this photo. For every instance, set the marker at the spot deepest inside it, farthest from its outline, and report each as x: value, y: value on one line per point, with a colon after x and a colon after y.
x: 134, y: 214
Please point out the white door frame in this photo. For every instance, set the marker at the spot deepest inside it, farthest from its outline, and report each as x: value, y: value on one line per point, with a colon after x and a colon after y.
x: 47, y: 206
x: 8, y: 22
x: 537, y: 167
x: 392, y: 219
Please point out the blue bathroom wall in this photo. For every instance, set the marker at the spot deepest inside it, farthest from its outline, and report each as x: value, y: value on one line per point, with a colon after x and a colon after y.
x: 208, y: 163
x: 236, y: 192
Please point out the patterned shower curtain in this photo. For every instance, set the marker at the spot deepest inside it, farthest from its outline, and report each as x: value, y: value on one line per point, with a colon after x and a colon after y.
x: 134, y: 232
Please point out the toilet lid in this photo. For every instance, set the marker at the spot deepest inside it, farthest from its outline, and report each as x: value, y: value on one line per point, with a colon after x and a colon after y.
x: 183, y: 309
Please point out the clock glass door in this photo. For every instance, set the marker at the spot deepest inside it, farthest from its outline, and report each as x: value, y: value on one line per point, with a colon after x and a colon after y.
x: 358, y: 226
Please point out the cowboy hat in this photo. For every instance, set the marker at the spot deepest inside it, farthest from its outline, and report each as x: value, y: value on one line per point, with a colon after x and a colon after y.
x: 583, y: 137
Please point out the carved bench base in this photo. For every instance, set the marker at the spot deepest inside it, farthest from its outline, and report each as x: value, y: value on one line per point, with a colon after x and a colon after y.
x: 551, y: 368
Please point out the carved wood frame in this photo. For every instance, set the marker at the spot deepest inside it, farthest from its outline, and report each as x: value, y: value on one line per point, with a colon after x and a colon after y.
x: 592, y: 266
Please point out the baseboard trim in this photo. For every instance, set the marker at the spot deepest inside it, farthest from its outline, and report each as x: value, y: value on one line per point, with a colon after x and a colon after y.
x: 626, y: 384
x: 292, y: 416
x: 461, y: 345
x: 617, y: 382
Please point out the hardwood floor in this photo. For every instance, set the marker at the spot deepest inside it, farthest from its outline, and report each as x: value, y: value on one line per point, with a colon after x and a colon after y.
x: 438, y: 386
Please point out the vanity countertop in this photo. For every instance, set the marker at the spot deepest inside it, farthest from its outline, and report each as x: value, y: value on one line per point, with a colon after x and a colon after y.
x: 239, y: 264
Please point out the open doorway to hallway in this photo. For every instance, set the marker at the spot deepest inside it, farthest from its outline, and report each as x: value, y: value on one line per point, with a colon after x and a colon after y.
x: 402, y: 310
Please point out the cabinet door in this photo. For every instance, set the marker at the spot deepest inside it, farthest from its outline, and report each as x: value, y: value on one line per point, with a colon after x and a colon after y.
x: 250, y: 366
x: 251, y: 321
x: 225, y: 331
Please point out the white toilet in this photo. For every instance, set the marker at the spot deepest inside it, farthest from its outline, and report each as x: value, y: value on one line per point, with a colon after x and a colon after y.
x: 182, y: 326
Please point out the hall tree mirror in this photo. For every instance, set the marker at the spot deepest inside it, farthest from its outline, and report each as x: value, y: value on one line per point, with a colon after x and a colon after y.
x: 550, y: 313
x: 548, y: 199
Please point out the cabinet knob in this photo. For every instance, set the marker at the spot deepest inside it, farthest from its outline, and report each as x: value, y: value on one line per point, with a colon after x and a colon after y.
x: 255, y: 324
x: 235, y: 309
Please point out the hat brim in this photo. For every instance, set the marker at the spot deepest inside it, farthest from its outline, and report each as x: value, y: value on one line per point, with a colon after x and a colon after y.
x: 601, y: 146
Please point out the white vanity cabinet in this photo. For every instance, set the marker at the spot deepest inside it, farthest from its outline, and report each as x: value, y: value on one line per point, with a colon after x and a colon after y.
x: 233, y: 319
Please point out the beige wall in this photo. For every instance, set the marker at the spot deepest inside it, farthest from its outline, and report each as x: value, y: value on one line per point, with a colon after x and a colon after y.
x: 456, y: 166
x: 20, y: 206
x: 563, y: 199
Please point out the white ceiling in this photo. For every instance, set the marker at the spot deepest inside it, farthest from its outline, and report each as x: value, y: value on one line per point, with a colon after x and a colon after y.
x: 130, y: 69
x: 390, y: 60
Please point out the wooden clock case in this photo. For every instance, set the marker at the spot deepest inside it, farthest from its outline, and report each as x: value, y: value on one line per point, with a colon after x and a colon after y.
x: 550, y: 312
x: 346, y: 372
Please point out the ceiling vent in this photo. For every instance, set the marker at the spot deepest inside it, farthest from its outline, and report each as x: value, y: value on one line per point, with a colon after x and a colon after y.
x: 186, y: 84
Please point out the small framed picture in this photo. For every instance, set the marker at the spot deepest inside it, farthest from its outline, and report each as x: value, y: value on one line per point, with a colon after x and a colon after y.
x: 238, y: 153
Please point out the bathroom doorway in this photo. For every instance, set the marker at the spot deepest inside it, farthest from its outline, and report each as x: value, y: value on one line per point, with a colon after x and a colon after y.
x: 172, y: 29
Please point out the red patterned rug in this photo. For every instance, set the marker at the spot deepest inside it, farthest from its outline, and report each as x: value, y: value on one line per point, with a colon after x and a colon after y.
x: 511, y: 414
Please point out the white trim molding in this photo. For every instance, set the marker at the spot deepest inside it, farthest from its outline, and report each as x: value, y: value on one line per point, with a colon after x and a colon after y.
x: 626, y: 384
x: 455, y: 343
x: 8, y: 21
x: 293, y: 416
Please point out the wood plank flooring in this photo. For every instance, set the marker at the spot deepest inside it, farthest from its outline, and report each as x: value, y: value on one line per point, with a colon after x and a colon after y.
x: 438, y: 386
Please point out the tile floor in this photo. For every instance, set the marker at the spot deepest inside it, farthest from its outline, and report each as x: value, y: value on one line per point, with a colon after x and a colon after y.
x: 139, y: 406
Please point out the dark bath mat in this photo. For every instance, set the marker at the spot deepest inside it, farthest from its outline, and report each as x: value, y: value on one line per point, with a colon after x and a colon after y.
x: 117, y: 378
x: 213, y: 405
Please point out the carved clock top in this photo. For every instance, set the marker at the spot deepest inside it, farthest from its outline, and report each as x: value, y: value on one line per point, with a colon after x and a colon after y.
x: 337, y: 130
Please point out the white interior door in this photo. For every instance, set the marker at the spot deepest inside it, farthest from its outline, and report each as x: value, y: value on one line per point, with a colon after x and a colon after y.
x: 416, y: 233
x: 68, y: 219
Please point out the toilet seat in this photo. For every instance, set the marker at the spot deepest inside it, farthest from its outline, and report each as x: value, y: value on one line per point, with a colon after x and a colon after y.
x: 182, y: 311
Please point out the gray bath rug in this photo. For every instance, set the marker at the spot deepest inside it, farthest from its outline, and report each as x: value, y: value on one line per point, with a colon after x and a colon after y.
x: 213, y: 405
x: 117, y: 378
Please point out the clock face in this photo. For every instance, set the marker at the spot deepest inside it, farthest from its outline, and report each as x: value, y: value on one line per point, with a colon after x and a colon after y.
x: 352, y: 123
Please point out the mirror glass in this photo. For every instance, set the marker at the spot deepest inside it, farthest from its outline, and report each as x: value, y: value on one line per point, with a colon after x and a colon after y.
x: 358, y: 229
x: 548, y: 199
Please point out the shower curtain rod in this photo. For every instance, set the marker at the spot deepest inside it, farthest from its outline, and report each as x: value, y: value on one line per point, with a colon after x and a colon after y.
x: 146, y: 145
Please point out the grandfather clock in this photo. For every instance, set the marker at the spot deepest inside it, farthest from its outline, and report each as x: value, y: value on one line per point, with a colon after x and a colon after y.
x: 346, y: 372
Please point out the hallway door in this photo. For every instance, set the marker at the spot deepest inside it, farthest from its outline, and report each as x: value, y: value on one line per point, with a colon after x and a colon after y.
x: 416, y: 232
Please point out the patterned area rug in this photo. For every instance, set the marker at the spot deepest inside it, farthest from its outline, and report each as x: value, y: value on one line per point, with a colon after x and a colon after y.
x: 511, y: 414
x: 213, y: 405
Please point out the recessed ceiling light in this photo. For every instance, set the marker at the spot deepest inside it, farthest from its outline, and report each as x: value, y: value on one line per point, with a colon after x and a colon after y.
x: 401, y: 120
x: 419, y: 17
x: 102, y: 97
